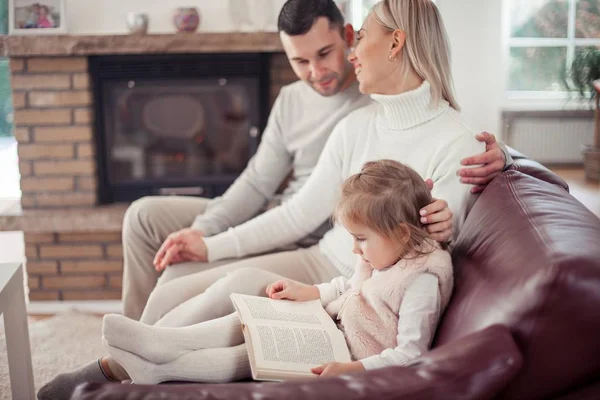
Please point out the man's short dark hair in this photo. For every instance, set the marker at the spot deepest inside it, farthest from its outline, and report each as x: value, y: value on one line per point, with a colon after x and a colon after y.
x: 298, y: 16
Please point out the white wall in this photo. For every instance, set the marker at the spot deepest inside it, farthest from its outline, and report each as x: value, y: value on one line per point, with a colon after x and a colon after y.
x: 108, y: 16
x: 475, y: 30
x: 474, y: 27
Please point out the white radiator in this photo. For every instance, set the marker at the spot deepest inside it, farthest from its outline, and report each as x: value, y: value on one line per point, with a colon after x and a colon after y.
x: 549, y: 137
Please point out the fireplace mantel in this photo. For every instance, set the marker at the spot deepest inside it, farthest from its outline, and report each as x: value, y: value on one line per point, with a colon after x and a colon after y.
x: 79, y: 45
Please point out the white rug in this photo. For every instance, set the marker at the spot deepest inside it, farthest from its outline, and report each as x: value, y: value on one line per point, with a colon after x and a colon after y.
x: 58, y: 344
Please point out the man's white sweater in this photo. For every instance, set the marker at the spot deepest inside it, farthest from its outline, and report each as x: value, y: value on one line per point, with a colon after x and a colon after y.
x: 430, y: 138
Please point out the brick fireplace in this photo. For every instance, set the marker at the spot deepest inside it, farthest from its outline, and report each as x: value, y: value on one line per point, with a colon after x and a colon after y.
x: 73, y: 245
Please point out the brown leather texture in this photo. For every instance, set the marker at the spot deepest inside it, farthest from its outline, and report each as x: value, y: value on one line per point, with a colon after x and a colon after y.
x: 528, y: 257
x: 474, y: 367
x: 528, y: 166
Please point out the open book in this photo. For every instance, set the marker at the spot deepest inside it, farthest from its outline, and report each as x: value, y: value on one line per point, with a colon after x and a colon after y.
x: 285, y: 339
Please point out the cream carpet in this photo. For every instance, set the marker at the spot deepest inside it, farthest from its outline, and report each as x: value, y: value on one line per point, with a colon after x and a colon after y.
x: 58, y: 344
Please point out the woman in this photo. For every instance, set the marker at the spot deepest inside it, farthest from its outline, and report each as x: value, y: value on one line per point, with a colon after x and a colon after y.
x: 402, y: 60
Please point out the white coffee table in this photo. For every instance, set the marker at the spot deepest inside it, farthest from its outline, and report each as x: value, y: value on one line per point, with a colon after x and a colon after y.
x: 12, y: 306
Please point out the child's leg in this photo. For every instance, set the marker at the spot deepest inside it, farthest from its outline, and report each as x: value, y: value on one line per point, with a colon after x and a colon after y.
x: 215, y: 301
x: 208, y: 365
x: 161, y: 345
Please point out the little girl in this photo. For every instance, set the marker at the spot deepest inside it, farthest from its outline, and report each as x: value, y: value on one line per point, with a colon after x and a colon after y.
x: 388, y: 309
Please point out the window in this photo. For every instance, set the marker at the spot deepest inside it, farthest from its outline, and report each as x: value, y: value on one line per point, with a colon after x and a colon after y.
x: 6, y: 111
x: 543, y: 38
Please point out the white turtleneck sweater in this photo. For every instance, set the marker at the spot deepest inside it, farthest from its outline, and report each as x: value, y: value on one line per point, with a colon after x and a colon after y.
x: 432, y: 139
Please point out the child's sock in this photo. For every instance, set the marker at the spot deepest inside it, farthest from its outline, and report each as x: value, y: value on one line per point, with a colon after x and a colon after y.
x: 63, y: 385
x: 161, y: 345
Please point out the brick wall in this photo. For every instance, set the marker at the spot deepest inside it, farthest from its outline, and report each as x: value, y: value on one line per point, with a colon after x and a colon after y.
x: 74, y: 266
x: 52, y: 101
x: 53, y: 126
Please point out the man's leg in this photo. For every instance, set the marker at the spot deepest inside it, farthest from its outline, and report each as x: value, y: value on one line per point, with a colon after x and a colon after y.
x: 146, y: 225
x: 249, y: 276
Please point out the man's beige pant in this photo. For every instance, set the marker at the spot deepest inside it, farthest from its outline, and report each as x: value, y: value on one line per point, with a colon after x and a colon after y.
x: 147, y: 224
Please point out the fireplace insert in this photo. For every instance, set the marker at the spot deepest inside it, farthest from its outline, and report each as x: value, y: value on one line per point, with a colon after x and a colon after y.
x: 176, y: 124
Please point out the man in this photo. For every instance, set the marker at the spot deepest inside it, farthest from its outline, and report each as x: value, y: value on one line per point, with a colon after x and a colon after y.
x: 301, y: 120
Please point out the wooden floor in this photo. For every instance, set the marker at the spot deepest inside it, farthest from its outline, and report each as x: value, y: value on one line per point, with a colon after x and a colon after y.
x: 587, y: 192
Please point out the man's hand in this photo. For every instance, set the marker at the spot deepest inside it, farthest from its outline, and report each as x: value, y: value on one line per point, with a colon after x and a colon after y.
x: 492, y: 163
x: 438, y: 218
x: 337, y: 368
x: 287, y: 289
x: 184, y: 245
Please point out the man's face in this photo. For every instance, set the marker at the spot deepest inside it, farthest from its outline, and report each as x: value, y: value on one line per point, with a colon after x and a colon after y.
x: 319, y: 56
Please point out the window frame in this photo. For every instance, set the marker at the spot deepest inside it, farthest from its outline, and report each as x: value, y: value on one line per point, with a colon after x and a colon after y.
x: 571, y: 42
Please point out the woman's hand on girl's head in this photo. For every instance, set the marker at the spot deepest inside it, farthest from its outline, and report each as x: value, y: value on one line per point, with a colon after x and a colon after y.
x: 338, y: 368
x: 287, y: 289
x: 491, y: 164
x: 437, y: 218
x: 184, y: 245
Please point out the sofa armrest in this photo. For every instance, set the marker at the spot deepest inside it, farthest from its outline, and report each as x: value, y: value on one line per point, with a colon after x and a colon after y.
x: 477, y: 366
x: 524, y: 164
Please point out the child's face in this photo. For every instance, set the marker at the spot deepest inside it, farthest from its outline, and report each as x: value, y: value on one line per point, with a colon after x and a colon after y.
x: 378, y: 250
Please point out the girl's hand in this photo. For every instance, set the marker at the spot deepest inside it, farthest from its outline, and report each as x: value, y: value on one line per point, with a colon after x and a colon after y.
x: 337, y: 368
x: 287, y: 289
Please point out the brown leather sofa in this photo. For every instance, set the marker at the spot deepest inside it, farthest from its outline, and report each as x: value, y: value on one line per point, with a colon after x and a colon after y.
x: 523, y: 323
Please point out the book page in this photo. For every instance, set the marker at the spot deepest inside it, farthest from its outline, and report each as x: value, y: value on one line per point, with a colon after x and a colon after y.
x: 297, y: 345
x: 296, y: 313
x: 286, y: 336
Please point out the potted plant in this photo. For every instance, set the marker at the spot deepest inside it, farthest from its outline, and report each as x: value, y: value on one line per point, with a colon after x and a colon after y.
x: 584, y: 77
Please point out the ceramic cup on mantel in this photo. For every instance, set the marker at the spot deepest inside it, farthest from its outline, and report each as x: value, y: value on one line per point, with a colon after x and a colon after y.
x: 137, y: 23
x: 186, y: 19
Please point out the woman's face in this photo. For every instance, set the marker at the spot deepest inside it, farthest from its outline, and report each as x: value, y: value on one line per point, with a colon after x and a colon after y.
x: 370, y: 58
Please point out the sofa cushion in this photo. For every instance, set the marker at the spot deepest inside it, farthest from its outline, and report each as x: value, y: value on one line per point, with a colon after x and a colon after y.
x: 476, y: 367
x: 528, y: 257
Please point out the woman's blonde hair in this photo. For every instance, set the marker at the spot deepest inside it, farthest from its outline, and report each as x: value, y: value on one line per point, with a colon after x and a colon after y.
x: 426, y: 49
x: 386, y: 196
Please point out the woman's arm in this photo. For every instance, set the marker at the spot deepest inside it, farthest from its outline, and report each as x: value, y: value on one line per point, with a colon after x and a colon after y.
x: 417, y: 319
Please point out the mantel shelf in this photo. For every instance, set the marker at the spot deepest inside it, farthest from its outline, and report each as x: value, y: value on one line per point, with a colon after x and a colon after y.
x: 79, y: 45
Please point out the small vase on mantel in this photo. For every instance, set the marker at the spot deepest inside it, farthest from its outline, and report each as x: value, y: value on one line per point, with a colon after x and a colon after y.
x: 186, y: 19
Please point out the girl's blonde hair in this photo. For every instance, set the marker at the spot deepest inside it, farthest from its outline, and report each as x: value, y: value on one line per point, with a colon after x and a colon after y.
x: 386, y: 196
x: 426, y: 49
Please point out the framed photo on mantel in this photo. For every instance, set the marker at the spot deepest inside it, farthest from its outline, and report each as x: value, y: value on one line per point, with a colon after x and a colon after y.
x: 36, y: 17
